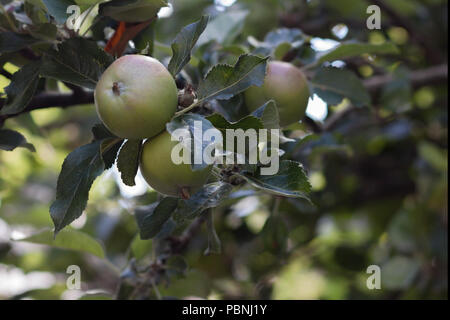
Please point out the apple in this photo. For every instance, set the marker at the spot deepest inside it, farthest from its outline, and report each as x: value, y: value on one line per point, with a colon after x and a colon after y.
x: 285, y: 84
x: 135, y: 97
x: 163, y: 175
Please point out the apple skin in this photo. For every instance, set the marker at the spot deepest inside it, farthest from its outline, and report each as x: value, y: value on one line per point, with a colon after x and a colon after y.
x: 285, y: 84
x: 165, y: 176
x: 135, y: 97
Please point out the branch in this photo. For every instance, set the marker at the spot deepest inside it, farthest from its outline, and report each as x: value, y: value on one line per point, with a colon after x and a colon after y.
x: 432, y: 75
x: 51, y: 100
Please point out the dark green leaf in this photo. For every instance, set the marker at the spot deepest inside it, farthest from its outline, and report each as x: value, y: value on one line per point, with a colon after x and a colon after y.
x: 11, y: 41
x: 58, y: 9
x: 275, y: 234
x: 176, y: 265
x: 225, y: 81
x: 249, y: 122
x: 10, y: 139
x: 77, y: 61
x: 21, y: 89
x: 150, y: 219
x: 333, y: 85
x: 351, y: 49
x: 210, y: 196
x: 78, y: 172
x: 128, y: 161
x: 125, y: 10
x: 224, y: 28
x: 290, y: 181
x: 268, y: 113
x: 183, y: 44
x: 109, y: 148
x: 68, y: 239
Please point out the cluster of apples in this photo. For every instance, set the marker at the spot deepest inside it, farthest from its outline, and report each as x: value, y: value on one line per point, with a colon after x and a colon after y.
x: 136, y: 96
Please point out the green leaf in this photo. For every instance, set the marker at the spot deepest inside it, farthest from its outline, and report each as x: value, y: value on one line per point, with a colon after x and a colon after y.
x: 351, y: 49
x: 224, y: 28
x: 77, y: 61
x: 210, y: 196
x: 100, y: 132
x: 150, y: 219
x: 11, y: 41
x: 58, y: 9
x: 183, y: 44
x: 290, y: 181
x: 21, y: 89
x: 10, y: 139
x: 248, y: 122
x: 333, y: 85
x: 68, y: 239
x: 128, y: 161
x: 214, y: 244
x: 224, y: 81
x: 275, y: 234
x: 268, y: 113
x: 131, y: 10
x: 78, y: 172
x: 141, y: 248
x: 109, y: 148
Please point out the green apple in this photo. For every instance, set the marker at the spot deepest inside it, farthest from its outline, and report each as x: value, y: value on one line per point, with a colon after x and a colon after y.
x: 135, y: 97
x: 163, y: 175
x: 285, y: 84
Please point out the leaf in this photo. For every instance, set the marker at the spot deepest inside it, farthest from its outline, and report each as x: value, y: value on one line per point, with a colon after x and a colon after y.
x: 11, y: 41
x: 126, y: 10
x: 224, y: 28
x: 141, y: 248
x: 78, y: 172
x: 248, y: 122
x: 68, y: 239
x: 109, y: 148
x: 290, y: 181
x: 150, y: 219
x: 10, y: 139
x: 351, y: 49
x: 58, y: 9
x: 100, y: 132
x: 214, y: 244
x: 191, y: 123
x: 275, y: 234
x: 77, y: 61
x: 333, y: 84
x: 128, y: 161
x: 210, y: 196
x: 268, y: 113
x: 225, y: 81
x: 21, y: 89
x: 183, y: 44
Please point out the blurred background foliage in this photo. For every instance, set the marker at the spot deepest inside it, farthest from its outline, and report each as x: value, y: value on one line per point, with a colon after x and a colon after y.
x: 379, y: 174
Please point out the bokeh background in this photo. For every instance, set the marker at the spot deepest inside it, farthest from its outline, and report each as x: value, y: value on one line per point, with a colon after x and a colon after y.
x: 379, y: 176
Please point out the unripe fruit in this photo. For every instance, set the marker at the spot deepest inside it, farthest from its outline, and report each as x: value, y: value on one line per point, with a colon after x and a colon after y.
x: 285, y: 84
x: 135, y: 97
x: 163, y: 175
